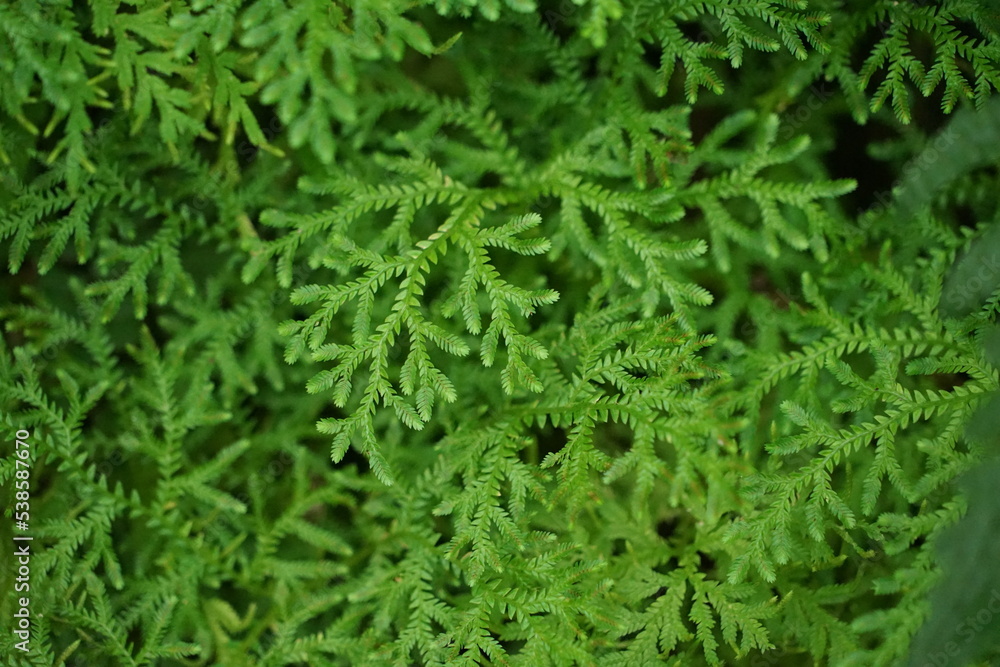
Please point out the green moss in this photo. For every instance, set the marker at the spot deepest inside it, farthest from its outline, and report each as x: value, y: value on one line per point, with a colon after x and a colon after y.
x: 627, y: 345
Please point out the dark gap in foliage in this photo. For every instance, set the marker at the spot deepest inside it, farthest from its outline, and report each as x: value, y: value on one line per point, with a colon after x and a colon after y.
x: 594, y: 223
x: 653, y: 176
x: 702, y: 171
x: 513, y: 646
x: 352, y: 457
x: 258, y: 414
x: 459, y: 134
x: 696, y: 32
x: 246, y: 152
x: 322, y: 621
x: 861, y: 363
x: 152, y: 322
x: 43, y: 481
x: 135, y: 638
x: 741, y: 208
x: 441, y: 28
x: 921, y: 48
x: 948, y: 381
x: 926, y: 112
x: 841, y: 480
x: 611, y: 437
x: 270, y: 126
x: 12, y: 336
x: 454, y: 590
x: 604, y: 387
x: 706, y: 564
x: 557, y: 16
x: 846, y: 571
x: 240, y: 600
x: 866, y: 42
x: 640, y: 374
x: 549, y: 438
x: 444, y: 528
x: 629, y: 637
x: 434, y: 432
x: 762, y: 282
x: 205, y: 150
x: 619, y: 547
x: 543, y: 205
x: 436, y: 628
x: 759, y: 434
x: 849, y: 158
x: 651, y: 54
x: 545, y: 76
x: 965, y: 215
x: 392, y: 121
x: 489, y: 180
x: 666, y: 528
x: 969, y: 29
x: 426, y: 222
x: 696, y: 384
x: 876, y: 548
x: 744, y: 327
x: 116, y: 464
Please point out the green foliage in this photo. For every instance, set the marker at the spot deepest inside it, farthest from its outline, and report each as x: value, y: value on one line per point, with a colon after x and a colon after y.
x: 919, y: 47
x: 629, y: 344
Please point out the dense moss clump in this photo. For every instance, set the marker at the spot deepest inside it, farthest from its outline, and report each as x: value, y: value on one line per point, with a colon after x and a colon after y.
x: 480, y: 332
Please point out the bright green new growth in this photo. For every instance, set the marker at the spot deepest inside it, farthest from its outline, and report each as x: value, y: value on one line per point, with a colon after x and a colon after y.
x: 575, y: 296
